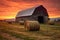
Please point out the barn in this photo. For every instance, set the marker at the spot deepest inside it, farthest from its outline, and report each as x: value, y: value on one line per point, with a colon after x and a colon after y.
x: 38, y: 13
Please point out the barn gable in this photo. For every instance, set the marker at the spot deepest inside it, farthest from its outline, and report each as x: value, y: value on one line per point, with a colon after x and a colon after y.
x: 40, y: 10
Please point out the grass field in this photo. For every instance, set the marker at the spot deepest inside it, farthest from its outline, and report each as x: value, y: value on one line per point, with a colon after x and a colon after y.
x: 16, y: 31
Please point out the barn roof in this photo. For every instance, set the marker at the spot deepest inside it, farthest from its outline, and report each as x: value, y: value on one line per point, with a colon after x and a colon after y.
x: 27, y: 12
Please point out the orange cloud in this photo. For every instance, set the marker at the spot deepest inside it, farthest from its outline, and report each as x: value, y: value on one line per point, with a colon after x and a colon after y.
x: 9, y: 8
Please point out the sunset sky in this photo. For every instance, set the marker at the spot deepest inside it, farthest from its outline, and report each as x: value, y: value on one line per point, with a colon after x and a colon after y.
x: 10, y: 8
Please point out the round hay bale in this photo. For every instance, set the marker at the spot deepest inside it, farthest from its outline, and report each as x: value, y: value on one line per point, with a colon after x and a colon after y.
x: 51, y: 22
x: 32, y: 25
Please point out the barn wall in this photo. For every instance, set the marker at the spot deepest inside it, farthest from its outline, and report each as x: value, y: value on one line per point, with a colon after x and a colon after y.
x: 26, y: 18
x: 45, y: 19
x: 32, y: 18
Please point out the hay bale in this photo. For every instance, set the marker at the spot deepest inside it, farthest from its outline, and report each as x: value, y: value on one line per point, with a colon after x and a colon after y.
x: 32, y: 25
x: 51, y: 23
x: 21, y: 22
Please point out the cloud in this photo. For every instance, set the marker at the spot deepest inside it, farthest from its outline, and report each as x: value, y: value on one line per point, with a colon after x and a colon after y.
x: 22, y: 0
x: 55, y: 4
x: 26, y: 1
x: 3, y: 4
x: 11, y: 7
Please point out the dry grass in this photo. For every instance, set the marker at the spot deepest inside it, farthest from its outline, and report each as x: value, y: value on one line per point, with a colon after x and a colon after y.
x: 17, y: 31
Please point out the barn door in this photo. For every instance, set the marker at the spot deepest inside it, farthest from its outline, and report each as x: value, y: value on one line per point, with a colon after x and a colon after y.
x: 40, y: 19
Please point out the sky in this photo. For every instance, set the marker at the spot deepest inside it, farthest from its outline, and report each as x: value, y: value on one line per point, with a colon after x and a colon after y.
x: 10, y: 8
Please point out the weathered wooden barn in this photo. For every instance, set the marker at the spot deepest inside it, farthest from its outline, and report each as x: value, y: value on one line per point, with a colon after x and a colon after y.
x: 38, y: 13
